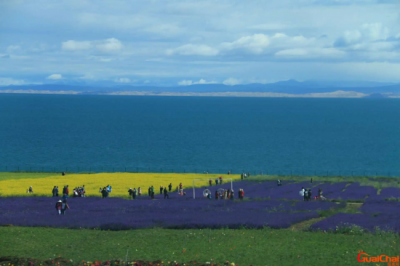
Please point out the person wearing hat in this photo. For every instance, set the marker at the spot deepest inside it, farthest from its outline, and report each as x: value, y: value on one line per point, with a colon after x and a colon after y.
x: 59, y: 206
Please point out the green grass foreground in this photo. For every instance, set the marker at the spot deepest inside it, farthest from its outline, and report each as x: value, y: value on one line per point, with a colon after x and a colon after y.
x: 242, y: 246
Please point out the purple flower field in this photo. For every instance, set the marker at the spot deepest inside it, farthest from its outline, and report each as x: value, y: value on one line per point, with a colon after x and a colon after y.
x: 384, y: 221
x: 267, y: 205
x: 116, y: 213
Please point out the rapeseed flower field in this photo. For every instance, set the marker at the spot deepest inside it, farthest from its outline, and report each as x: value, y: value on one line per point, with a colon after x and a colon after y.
x: 120, y: 183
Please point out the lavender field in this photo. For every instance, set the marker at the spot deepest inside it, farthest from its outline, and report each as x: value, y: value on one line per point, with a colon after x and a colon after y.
x: 265, y: 204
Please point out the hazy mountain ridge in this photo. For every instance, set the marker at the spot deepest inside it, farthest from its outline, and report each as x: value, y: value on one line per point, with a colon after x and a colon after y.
x: 373, y: 89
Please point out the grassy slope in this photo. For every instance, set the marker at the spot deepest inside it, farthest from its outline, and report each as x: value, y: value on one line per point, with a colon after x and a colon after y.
x: 244, y: 247
x: 8, y: 176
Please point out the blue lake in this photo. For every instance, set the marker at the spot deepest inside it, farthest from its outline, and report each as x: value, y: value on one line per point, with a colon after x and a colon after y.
x: 197, y: 134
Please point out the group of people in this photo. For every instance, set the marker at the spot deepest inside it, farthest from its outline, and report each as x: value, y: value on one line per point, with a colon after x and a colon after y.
x: 244, y: 175
x: 217, y: 181
x: 62, y: 206
x: 224, y: 194
x: 105, y: 191
x: 79, y: 191
x: 307, y: 194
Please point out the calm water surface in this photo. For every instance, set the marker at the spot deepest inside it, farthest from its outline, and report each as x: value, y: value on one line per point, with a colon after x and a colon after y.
x: 274, y: 135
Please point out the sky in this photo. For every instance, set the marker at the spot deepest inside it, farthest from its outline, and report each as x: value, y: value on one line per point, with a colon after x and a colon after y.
x: 181, y: 43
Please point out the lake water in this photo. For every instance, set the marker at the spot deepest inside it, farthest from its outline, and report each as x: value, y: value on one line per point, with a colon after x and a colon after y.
x: 197, y: 134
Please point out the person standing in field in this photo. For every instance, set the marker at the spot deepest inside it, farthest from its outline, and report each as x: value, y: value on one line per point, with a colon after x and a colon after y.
x: 242, y: 194
x: 180, y: 186
x: 59, y: 206
x: 67, y: 191
x: 54, y: 191
x: 130, y: 191
x: 170, y: 187
x: 305, y: 197
x: 134, y: 192
x: 139, y: 191
x: 57, y: 191
x: 210, y: 182
x: 166, y: 196
x: 309, y: 194
x: 64, y: 207
x: 232, y: 194
x: 216, y: 181
x: 216, y: 194
x: 161, y: 190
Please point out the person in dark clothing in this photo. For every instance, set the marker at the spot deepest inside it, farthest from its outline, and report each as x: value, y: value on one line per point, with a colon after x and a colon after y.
x: 64, y: 207
x: 232, y: 194
x: 170, y: 187
x: 67, y: 189
x: 319, y: 192
x: 149, y: 191
x: 134, y: 193
x: 311, y: 180
x: 216, y: 194
x: 130, y: 192
x: 64, y: 190
x: 166, y: 196
x: 305, y: 195
x: 279, y: 183
x: 309, y: 194
x: 241, y: 176
x: 216, y: 181
x: 210, y: 182
x: 63, y: 173
x: 104, y: 193
x: 54, y: 191
x: 57, y: 191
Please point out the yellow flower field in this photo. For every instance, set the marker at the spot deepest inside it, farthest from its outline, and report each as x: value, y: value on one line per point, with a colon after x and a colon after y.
x: 120, y: 183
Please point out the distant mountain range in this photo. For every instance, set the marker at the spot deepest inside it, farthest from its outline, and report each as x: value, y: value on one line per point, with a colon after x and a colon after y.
x: 292, y: 87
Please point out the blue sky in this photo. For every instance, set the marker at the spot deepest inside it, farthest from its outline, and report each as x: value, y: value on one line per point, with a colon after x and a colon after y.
x: 190, y: 42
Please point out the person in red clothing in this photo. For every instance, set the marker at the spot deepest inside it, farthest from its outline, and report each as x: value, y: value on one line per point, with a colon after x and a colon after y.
x: 67, y: 190
x: 241, y: 194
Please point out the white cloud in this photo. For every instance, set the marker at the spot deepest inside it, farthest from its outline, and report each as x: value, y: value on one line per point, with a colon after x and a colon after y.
x: 185, y: 82
x: 255, y: 43
x: 108, y: 45
x: 311, y: 53
x: 10, y: 81
x: 261, y: 43
x: 123, y: 80
x: 231, y: 81
x: 76, y: 45
x: 368, y: 32
x: 190, y: 82
x: 13, y: 48
x: 55, y: 76
x: 192, y: 49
